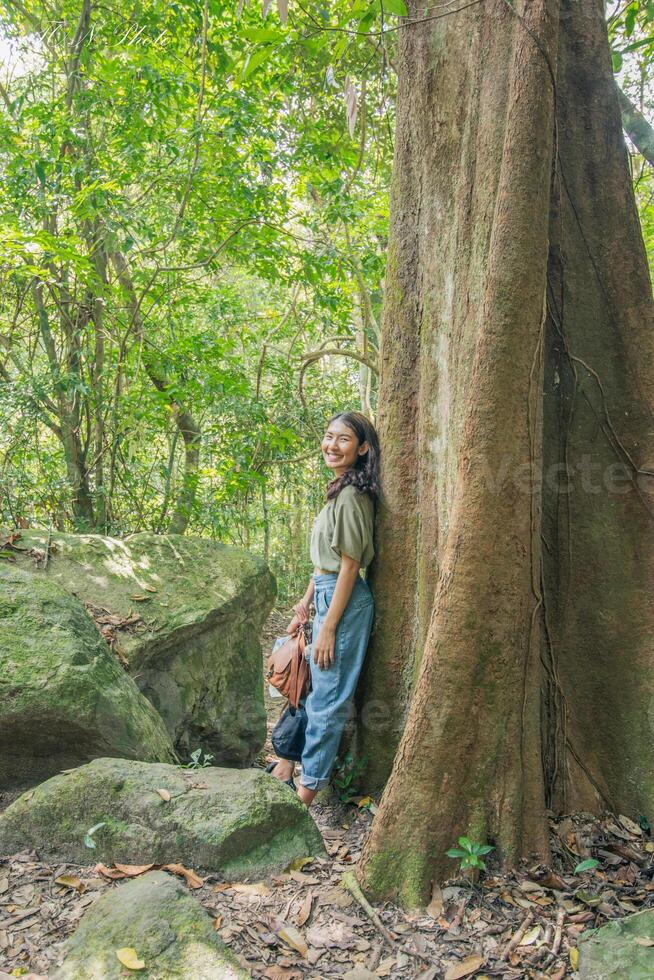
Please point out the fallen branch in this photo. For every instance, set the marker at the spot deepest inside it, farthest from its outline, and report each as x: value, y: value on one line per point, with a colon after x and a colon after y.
x: 349, y: 881
x: 556, y: 945
x: 558, y: 932
x: 516, y: 939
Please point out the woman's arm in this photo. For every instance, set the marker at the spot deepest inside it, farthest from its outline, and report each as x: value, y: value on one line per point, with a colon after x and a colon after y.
x: 326, y: 641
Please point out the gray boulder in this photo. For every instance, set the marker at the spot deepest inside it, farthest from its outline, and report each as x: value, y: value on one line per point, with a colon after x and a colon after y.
x: 614, y: 951
x: 195, y: 653
x: 157, y: 917
x: 64, y: 698
x: 241, y: 823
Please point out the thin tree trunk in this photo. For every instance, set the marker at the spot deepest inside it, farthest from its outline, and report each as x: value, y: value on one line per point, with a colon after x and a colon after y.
x: 188, y: 427
x: 68, y: 428
x: 98, y: 301
x: 266, y: 522
x: 483, y: 401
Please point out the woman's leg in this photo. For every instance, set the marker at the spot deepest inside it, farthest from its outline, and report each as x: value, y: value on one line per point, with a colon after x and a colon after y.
x: 328, y: 705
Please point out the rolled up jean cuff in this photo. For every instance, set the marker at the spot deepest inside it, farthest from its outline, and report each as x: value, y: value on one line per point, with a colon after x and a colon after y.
x: 310, y: 782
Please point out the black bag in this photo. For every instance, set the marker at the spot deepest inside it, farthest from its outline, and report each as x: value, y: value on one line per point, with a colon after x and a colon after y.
x: 288, y: 734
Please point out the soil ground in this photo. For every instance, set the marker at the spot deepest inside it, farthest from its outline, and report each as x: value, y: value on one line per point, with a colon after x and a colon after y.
x: 305, y: 924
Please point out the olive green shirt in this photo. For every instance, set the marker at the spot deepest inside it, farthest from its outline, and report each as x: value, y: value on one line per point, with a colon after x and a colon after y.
x: 343, y: 527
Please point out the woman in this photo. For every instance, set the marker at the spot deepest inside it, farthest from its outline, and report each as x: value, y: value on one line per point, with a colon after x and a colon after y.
x: 341, y: 544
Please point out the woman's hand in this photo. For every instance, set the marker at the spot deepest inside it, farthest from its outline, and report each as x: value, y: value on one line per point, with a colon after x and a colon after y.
x: 324, y: 646
x: 301, y: 610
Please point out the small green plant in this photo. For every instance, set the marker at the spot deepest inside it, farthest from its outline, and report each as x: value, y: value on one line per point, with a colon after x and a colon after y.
x: 346, y: 773
x: 470, y: 854
x: 88, y: 836
x: 197, y: 762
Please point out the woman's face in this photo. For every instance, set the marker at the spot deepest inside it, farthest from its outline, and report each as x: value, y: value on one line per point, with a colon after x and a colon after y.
x: 340, y: 447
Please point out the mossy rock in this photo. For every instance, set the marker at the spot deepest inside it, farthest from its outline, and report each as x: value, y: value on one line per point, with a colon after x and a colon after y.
x: 64, y: 698
x: 157, y: 917
x: 196, y: 655
x: 614, y: 951
x: 240, y: 823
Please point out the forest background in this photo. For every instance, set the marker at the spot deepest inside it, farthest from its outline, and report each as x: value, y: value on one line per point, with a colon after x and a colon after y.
x: 194, y: 219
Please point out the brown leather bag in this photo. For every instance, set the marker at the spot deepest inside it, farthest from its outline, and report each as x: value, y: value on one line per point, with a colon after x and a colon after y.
x: 288, y: 671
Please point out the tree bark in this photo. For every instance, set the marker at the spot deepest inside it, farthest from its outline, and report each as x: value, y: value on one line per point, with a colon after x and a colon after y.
x: 520, y: 609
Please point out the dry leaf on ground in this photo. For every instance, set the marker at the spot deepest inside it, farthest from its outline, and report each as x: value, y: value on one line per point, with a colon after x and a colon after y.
x: 129, y: 958
x: 256, y: 888
x: 133, y: 870
x: 293, y: 938
x: 298, y: 863
x: 281, y: 973
x: 464, y: 968
x: 71, y: 881
x: 192, y: 880
x: 112, y: 873
x: 435, y: 907
x: 305, y: 910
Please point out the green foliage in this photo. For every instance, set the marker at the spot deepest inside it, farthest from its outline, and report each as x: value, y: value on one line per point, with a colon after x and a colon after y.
x: 88, y: 836
x: 470, y: 854
x: 198, y: 761
x: 194, y: 204
x: 346, y: 773
x: 185, y: 217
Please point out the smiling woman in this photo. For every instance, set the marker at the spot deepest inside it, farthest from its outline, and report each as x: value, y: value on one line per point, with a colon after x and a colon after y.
x: 341, y: 544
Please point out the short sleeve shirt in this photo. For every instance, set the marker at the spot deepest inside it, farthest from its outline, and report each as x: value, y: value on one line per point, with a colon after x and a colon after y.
x: 344, y: 527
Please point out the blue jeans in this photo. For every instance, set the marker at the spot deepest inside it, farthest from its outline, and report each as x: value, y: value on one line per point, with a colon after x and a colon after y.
x: 329, y: 701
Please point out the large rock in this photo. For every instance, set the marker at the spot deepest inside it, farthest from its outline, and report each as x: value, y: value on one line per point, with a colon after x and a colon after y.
x: 196, y: 656
x: 614, y: 952
x: 64, y: 699
x: 239, y: 822
x: 154, y: 915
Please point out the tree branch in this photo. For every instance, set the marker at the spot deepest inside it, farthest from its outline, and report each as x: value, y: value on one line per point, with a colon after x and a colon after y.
x: 636, y: 127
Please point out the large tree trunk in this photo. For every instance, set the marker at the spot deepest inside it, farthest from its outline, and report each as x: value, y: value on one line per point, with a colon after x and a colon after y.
x: 517, y: 342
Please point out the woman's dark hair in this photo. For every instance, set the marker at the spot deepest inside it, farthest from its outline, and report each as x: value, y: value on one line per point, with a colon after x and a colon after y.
x: 364, y: 475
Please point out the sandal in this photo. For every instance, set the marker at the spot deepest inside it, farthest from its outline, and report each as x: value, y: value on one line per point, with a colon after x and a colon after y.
x: 289, y: 782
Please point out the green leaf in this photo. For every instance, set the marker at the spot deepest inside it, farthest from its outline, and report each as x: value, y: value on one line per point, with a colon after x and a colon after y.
x: 635, y: 45
x: 616, y: 58
x: 340, y: 47
x: 396, y: 7
x: 455, y: 852
x: 630, y: 20
x: 586, y: 865
x: 485, y: 849
x: 255, y: 59
x: 262, y: 34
